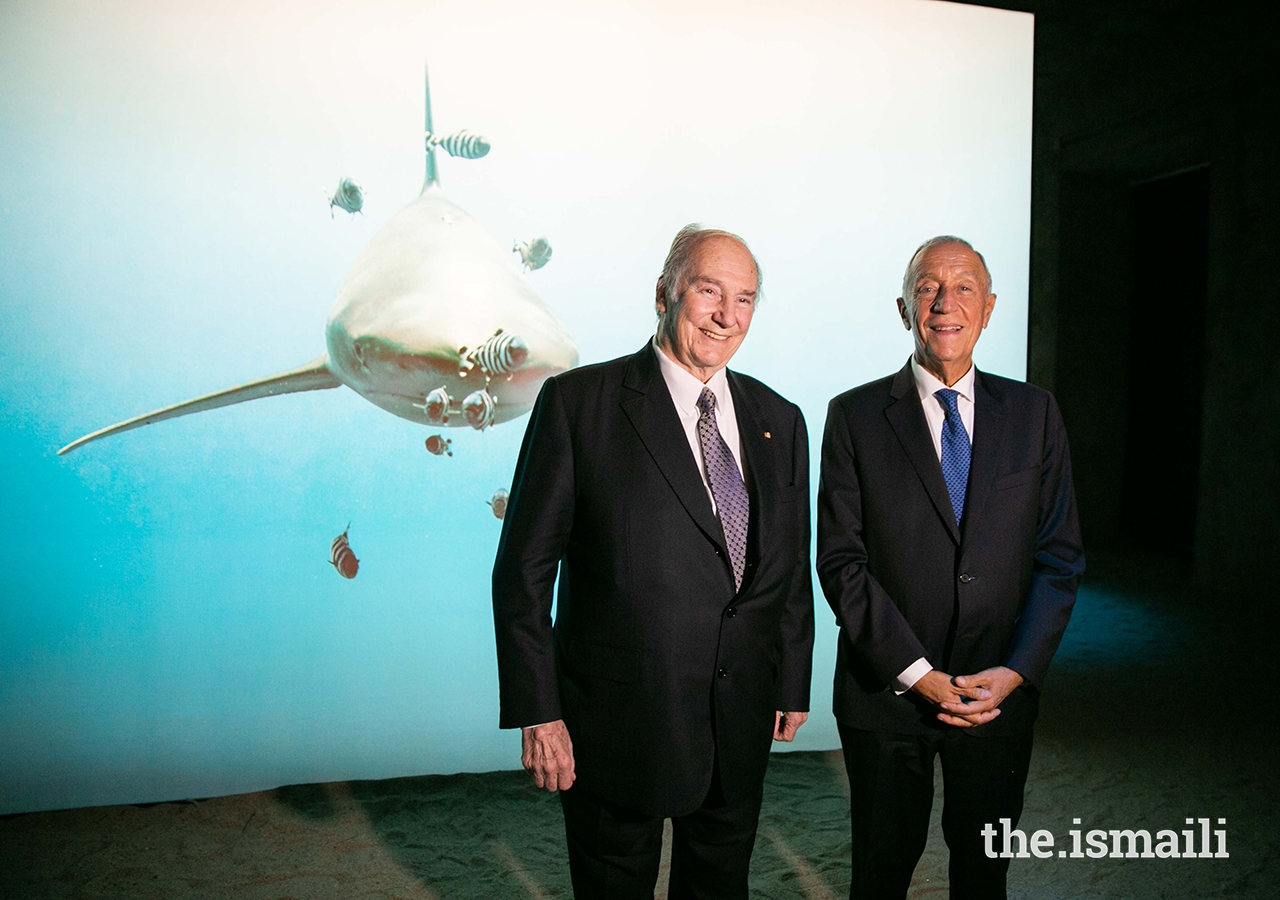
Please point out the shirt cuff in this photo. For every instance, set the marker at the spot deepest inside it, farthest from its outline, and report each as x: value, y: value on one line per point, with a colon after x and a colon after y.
x: 910, y: 675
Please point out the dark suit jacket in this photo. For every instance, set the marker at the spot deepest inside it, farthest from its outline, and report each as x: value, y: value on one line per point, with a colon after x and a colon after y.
x: 658, y: 667
x: 906, y: 583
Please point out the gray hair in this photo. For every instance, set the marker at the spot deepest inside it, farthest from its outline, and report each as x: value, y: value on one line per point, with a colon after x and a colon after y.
x: 675, y: 271
x: 940, y: 241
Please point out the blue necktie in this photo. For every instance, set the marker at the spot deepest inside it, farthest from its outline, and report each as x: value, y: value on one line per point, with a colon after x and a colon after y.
x: 733, y: 505
x: 956, y: 451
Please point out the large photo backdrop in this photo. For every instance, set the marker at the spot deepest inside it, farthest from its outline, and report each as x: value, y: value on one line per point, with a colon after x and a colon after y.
x: 174, y: 223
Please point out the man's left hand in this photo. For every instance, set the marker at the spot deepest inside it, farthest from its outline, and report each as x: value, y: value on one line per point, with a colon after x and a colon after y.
x: 999, y: 682
x: 786, y: 724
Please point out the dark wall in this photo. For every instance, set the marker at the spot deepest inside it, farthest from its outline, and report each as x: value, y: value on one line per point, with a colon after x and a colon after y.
x: 1091, y: 342
x: 1127, y: 94
x: 1169, y: 282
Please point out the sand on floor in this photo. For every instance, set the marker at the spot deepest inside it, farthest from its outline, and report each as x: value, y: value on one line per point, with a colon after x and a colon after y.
x: 1149, y: 718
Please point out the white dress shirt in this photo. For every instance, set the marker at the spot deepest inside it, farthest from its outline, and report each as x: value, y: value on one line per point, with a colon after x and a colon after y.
x: 685, y: 388
x: 935, y: 414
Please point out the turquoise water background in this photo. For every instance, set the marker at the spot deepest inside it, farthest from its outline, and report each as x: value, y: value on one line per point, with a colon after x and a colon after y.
x: 169, y: 623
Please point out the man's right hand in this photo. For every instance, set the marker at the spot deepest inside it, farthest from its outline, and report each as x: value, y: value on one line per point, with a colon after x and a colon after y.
x: 548, y: 755
x: 939, y: 687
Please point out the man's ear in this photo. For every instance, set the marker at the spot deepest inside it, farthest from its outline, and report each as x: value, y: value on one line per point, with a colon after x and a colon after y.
x: 659, y: 301
x: 906, y: 320
x: 991, y: 305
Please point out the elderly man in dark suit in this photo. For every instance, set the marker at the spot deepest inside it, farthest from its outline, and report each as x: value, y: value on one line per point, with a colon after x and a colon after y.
x: 949, y: 549
x: 672, y: 497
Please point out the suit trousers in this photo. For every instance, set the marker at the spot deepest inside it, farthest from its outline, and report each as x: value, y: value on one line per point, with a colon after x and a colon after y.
x: 891, y: 795
x: 614, y: 852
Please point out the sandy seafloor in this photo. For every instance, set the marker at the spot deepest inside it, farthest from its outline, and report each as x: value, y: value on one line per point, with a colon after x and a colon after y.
x: 1154, y: 712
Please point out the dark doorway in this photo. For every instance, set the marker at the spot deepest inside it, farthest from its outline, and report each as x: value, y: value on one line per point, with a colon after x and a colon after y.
x: 1166, y: 363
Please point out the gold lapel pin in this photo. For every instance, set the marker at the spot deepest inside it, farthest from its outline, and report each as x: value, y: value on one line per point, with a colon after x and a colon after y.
x: 768, y: 435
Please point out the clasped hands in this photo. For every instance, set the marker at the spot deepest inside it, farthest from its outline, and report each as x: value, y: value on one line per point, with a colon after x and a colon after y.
x: 967, y: 700
x: 547, y: 752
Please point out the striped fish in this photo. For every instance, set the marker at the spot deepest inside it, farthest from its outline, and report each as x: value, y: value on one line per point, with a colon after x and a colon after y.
x: 478, y: 408
x: 534, y: 254
x: 438, y: 445
x: 499, y: 503
x: 341, y: 557
x: 501, y: 354
x: 436, y: 406
x: 463, y: 144
x: 347, y: 197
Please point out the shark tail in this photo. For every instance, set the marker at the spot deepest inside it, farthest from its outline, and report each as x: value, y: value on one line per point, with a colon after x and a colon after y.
x: 314, y: 376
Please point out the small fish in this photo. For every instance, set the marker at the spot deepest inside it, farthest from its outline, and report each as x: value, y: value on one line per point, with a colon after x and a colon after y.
x: 347, y: 197
x: 436, y: 406
x: 478, y: 409
x: 501, y: 354
x: 463, y: 144
x: 438, y: 445
x: 499, y: 503
x: 533, y: 254
x: 341, y: 557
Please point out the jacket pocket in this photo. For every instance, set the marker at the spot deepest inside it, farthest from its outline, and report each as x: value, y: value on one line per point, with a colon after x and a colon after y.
x: 1014, y: 479
x: 791, y: 493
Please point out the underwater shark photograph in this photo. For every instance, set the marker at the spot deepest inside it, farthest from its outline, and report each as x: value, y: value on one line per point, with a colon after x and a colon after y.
x: 204, y: 207
x: 397, y: 331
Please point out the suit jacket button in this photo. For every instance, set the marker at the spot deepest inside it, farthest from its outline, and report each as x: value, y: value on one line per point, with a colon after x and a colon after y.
x: 965, y: 578
x: 731, y: 611
x: 721, y: 673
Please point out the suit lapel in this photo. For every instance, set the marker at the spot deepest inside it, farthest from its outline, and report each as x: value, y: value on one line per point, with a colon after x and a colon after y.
x: 757, y: 463
x: 906, y: 417
x: 653, y: 415
x: 988, y: 437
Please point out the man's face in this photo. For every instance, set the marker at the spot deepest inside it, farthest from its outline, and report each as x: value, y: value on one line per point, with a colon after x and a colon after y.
x: 715, y: 308
x: 948, y: 308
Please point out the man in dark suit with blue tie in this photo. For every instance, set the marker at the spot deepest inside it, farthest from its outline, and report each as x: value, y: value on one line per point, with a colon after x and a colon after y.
x: 671, y: 495
x: 949, y: 549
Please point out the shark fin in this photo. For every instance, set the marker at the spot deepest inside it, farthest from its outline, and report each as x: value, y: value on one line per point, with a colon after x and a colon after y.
x: 433, y: 173
x: 314, y: 376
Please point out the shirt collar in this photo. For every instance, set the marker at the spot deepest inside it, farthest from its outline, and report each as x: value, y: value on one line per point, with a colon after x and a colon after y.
x: 927, y: 383
x: 685, y: 387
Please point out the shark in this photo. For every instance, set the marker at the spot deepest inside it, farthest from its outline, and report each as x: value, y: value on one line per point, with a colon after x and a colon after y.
x: 428, y: 285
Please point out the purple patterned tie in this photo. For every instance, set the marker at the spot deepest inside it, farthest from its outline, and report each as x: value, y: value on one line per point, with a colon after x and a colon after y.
x: 732, y: 502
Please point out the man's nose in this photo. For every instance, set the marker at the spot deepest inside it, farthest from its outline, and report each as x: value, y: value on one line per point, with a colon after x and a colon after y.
x: 723, y: 314
x: 942, y: 300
